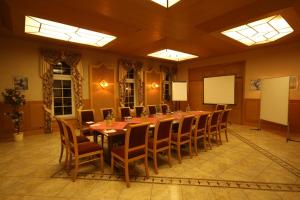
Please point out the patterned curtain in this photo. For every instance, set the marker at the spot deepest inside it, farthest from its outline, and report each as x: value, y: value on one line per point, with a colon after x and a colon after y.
x: 172, y: 71
x: 124, y: 66
x: 50, y: 58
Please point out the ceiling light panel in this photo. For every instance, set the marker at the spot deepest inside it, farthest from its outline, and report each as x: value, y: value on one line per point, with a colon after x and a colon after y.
x: 261, y: 31
x: 50, y: 29
x: 166, y: 3
x: 172, y: 55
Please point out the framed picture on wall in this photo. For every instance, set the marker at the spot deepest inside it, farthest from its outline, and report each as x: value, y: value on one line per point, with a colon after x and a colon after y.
x: 20, y: 83
x: 293, y: 82
x: 255, y: 84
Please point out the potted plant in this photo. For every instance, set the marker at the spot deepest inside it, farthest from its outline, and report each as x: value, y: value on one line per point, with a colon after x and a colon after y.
x: 16, y: 101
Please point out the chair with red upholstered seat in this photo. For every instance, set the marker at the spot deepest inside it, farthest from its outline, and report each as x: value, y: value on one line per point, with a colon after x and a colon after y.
x: 161, y: 140
x: 86, y: 117
x: 89, y: 150
x: 224, y: 121
x: 164, y: 108
x: 184, y: 135
x: 139, y: 111
x: 152, y: 109
x: 200, y: 130
x: 135, y: 148
x: 213, y: 127
x: 124, y: 112
x: 105, y: 112
x: 63, y: 140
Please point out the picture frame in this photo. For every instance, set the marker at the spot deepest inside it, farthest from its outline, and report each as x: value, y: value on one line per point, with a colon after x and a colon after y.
x: 20, y: 83
x: 255, y: 84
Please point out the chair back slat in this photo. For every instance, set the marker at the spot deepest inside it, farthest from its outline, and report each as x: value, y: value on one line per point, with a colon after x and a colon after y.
x: 202, y: 121
x: 152, y: 109
x: 164, y: 108
x: 137, y: 135
x: 164, y: 129
x: 221, y: 106
x: 187, y: 124
x: 139, y: 111
x: 225, y: 116
x: 106, y: 112
x: 214, y: 119
x: 125, y: 112
x: 86, y: 116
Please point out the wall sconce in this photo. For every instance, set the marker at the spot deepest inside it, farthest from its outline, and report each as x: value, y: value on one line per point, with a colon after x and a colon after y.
x: 154, y: 85
x: 103, y: 84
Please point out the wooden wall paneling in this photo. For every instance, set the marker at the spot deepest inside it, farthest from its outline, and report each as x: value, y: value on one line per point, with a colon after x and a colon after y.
x: 152, y: 95
x: 294, y: 115
x: 101, y: 97
x: 251, y: 111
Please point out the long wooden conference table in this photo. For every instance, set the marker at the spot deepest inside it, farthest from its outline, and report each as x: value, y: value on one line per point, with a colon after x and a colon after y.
x: 115, y: 131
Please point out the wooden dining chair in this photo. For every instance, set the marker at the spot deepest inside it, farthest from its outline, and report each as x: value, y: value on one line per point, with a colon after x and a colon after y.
x: 213, y: 127
x: 161, y: 141
x: 184, y: 135
x: 105, y: 112
x: 221, y: 106
x: 86, y: 117
x: 152, y: 109
x: 63, y: 140
x: 135, y: 148
x: 164, y: 108
x: 224, y: 121
x: 139, y: 111
x: 88, y: 150
x: 124, y: 112
x: 199, y: 131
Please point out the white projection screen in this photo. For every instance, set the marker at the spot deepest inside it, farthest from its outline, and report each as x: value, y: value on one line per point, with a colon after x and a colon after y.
x: 274, y: 100
x: 219, y: 90
x: 179, y: 91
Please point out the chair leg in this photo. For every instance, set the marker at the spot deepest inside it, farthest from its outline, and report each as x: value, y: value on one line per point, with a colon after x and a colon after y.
x: 195, y: 146
x: 204, y: 143
x: 219, y: 134
x: 101, y: 162
x: 226, y: 134
x: 155, y: 162
x: 76, y: 169
x: 67, y: 159
x: 190, y: 147
x: 178, y: 153
x: 126, y: 174
x: 112, y: 164
x: 61, y: 152
x: 169, y: 156
x: 209, y: 142
x: 146, y: 166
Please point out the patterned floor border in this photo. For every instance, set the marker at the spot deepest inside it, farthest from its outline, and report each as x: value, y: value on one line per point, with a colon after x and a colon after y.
x: 187, y: 181
x: 269, y: 155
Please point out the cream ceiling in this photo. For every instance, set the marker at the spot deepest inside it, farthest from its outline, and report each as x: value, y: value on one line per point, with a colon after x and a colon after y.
x: 143, y: 27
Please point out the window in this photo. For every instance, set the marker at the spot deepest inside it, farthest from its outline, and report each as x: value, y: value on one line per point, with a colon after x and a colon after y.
x: 62, y: 90
x: 130, y: 89
x: 167, y: 87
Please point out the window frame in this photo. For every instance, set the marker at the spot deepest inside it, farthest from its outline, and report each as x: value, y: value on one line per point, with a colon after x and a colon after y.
x: 68, y: 78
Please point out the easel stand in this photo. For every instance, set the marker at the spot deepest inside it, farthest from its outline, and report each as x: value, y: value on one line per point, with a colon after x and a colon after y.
x: 288, y: 135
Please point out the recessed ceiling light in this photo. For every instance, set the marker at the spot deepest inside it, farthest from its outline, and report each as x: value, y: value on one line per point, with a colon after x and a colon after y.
x: 172, y: 55
x: 166, y: 3
x: 51, y: 29
x: 261, y: 31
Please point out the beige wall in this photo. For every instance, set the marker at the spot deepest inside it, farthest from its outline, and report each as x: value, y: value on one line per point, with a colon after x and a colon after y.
x: 273, y: 61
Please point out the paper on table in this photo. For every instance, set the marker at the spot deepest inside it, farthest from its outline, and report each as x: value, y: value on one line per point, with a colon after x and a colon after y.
x: 110, y: 131
x: 90, y: 122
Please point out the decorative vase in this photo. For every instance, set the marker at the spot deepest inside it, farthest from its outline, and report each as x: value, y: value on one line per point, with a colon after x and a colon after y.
x: 18, y: 136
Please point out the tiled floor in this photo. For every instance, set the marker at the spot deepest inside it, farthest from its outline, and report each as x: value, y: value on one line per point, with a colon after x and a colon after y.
x: 252, y: 165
